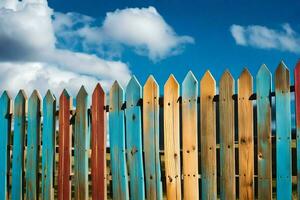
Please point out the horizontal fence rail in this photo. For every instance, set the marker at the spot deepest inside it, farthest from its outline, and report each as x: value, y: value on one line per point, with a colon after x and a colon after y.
x: 193, y: 142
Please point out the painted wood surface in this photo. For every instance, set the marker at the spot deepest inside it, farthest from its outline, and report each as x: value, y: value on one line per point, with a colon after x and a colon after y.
x: 172, y: 139
x: 283, y: 133
x: 64, y: 163
x: 208, y: 137
x: 151, y: 139
x: 190, y: 137
x: 98, y: 161
x: 18, y: 146
x: 5, y: 127
x: 33, y: 143
x: 297, y: 103
x: 264, y: 140
x: 81, y: 146
x: 245, y: 135
x: 227, y: 149
x: 48, y: 148
x: 117, y: 143
x: 134, y: 139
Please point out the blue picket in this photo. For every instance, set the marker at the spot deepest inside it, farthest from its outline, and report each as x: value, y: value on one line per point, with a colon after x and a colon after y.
x: 18, y: 146
x: 117, y: 143
x: 5, y: 127
x: 33, y: 142
x: 81, y: 146
x: 48, y: 150
x: 283, y: 133
x: 134, y: 139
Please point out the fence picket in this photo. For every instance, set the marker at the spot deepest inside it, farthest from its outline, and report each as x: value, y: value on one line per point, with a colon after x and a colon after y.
x: 208, y: 137
x: 81, y: 146
x: 227, y: 149
x: 5, y: 127
x: 245, y: 127
x: 297, y: 103
x: 172, y: 139
x: 264, y: 141
x: 151, y: 139
x: 64, y: 163
x: 190, y: 137
x: 134, y: 139
x: 18, y: 146
x: 98, y: 157
x: 117, y: 143
x: 33, y: 142
x: 48, y: 150
x: 283, y: 133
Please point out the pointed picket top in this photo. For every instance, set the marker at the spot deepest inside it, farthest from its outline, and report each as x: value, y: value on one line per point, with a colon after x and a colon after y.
x: 245, y: 82
x: 116, y: 94
x: 49, y: 97
x: 35, y: 96
x: 98, y: 90
x: 245, y: 74
x: 81, y: 94
x: 189, y: 86
x: 65, y: 94
x: 133, y: 84
x: 21, y: 95
x: 116, y: 86
x: 263, y: 72
x: 171, y: 83
x: 189, y: 79
x: 226, y: 77
x: 281, y: 68
x: 208, y: 79
x: 5, y: 95
x: 282, y: 77
x: 150, y: 84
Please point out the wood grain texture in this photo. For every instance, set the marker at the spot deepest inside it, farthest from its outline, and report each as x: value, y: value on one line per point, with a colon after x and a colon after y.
x: 171, y: 139
x: 297, y: 103
x: 134, y: 139
x: 151, y: 139
x: 48, y: 148
x: 245, y: 135
x: 227, y: 150
x: 283, y: 133
x: 264, y: 141
x: 208, y: 137
x: 64, y: 163
x: 98, y: 157
x: 5, y: 127
x: 33, y: 145
x: 81, y: 148
x: 18, y: 146
x: 190, y: 137
x: 117, y: 143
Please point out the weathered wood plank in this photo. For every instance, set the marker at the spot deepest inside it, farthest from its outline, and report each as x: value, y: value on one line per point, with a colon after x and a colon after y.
x: 283, y: 133
x: 227, y: 150
x: 245, y: 127
x: 81, y: 146
x: 33, y: 142
x: 18, y: 146
x: 134, y: 139
x: 172, y: 139
x: 264, y: 141
x: 151, y: 139
x: 64, y: 163
x: 48, y: 148
x: 208, y: 137
x: 5, y: 127
x: 190, y: 137
x: 297, y: 103
x: 98, y: 157
x: 117, y: 143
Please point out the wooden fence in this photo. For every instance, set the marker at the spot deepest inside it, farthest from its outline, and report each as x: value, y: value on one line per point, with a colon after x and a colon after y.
x: 200, y: 144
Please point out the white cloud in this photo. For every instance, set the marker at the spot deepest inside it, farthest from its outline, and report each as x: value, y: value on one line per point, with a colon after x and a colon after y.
x: 143, y: 29
x: 30, y: 59
x: 263, y: 37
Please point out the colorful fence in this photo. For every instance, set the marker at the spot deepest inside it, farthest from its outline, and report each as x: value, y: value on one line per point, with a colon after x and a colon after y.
x: 199, y: 144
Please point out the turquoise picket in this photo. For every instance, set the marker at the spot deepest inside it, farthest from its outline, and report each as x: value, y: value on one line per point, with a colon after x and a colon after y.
x: 33, y: 141
x: 18, y: 146
x: 134, y: 139
x: 283, y: 133
x: 5, y: 127
x: 48, y: 150
x: 117, y: 143
x: 264, y: 141
x: 81, y: 146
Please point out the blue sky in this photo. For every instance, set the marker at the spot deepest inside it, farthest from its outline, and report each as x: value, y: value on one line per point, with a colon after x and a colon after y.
x: 58, y: 44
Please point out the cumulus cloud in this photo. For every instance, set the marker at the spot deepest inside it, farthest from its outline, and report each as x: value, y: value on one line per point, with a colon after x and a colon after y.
x: 30, y: 57
x: 285, y: 39
x: 143, y: 29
